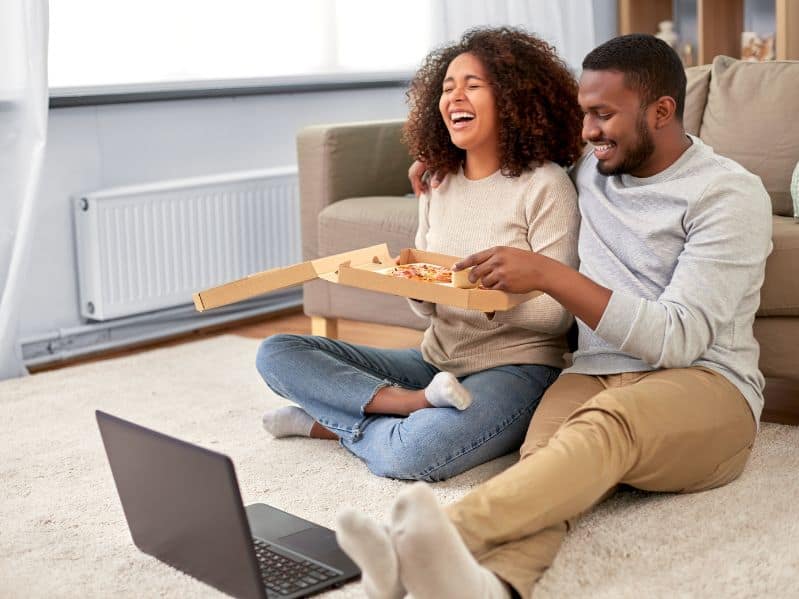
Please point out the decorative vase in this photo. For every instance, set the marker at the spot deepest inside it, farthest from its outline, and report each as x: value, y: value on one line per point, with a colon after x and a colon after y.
x: 667, y: 34
x: 795, y: 192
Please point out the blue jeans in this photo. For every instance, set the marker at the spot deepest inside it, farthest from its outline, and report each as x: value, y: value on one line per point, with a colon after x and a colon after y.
x: 333, y: 381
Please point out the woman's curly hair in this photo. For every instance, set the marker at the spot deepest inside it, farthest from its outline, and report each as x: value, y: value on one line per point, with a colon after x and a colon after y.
x: 536, y: 99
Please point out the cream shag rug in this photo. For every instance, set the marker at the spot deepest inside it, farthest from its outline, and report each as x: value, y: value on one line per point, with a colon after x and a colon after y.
x: 63, y: 533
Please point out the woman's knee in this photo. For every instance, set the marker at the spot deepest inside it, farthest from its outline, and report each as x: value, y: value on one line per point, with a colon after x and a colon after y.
x: 406, y: 463
x: 276, y: 353
x: 275, y: 347
x: 420, y: 459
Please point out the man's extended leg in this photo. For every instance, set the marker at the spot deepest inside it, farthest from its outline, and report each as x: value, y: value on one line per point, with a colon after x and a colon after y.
x: 365, y: 541
x: 673, y: 430
x: 521, y: 563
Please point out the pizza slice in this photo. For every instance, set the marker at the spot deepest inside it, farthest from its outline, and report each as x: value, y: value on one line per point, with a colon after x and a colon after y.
x: 419, y: 271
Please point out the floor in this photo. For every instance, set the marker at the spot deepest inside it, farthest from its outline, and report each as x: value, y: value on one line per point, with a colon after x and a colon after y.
x: 289, y: 321
x: 783, y: 410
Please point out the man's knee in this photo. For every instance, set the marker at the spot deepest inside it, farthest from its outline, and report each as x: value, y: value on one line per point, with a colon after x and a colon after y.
x: 606, y: 422
x: 568, y: 393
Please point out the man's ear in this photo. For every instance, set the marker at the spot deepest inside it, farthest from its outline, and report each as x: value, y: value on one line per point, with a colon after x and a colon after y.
x: 665, y: 109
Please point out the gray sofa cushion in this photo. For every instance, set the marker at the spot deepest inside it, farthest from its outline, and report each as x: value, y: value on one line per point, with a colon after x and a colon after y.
x: 695, y: 97
x: 360, y: 222
x: 345, y: 161
x: 750, y: 117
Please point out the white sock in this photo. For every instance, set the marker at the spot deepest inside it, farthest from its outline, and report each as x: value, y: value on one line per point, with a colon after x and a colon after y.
x: 369, y: 545
x: 445, y: 391
x: 434, y: 561
x: 288, y: 421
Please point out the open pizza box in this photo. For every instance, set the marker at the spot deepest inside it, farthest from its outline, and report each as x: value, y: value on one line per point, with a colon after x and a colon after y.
x: 366, y: 268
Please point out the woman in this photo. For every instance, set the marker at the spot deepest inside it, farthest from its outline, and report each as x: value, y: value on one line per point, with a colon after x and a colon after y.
x: 498, y: 112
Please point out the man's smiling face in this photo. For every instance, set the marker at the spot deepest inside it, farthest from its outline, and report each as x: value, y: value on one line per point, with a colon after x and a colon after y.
x: 616, y: 124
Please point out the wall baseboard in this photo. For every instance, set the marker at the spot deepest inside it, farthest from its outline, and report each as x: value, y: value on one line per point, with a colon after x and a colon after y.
x: 67, y: 344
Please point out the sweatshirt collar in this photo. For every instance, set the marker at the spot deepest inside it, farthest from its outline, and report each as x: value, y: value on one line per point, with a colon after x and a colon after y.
x: 666, y: 174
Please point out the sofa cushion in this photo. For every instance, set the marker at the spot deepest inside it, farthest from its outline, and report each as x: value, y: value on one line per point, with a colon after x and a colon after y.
x: 780, y: 293
x: 695, y: 97
x: 360, y: 222
x: 750, y: 117
x: 777, y: 338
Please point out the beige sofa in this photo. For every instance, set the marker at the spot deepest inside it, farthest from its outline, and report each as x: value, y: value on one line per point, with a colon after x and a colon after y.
x: 355, y: 192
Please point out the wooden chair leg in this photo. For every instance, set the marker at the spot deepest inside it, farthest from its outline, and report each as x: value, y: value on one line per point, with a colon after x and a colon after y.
x: 324, y: 327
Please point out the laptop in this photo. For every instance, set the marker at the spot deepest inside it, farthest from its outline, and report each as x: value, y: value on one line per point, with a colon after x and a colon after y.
x: 183, y: 506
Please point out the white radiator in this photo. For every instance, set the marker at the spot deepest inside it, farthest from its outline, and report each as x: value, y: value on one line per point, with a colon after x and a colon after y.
x: 149, y: 247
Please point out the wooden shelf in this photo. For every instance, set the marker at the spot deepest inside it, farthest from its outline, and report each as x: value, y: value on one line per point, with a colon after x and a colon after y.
x: 717, y: 34
x: 787, y: 15
x: 719, y: 25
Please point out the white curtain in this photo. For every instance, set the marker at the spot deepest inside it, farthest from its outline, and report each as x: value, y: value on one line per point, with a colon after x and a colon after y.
x: 23, y: 134
x: 566, y: 24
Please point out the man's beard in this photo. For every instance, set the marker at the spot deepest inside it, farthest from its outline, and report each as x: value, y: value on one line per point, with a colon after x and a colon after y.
x: 637, y: 155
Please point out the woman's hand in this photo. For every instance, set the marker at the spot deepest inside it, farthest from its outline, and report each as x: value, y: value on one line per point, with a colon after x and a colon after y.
x: 416, y: 175
x: 507, y: 269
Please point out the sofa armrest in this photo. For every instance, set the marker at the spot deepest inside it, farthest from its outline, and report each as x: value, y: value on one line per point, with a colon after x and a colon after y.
x: 348, y: 160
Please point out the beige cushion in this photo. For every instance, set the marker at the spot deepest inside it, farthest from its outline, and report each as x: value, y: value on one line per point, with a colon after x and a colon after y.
x: 751, y: 118
x: 780, y: 293
x: 346, y: 161
x: 360, y: 222
x: 695, y: 97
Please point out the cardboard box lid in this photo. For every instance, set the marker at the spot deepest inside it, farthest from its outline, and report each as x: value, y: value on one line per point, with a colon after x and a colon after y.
x: 361, y: 268
x: 280, y: 278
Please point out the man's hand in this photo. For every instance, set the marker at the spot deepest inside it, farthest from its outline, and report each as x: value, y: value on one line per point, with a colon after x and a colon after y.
x: 519, y: 271
x: 506, y: 269
x: 416, y: 175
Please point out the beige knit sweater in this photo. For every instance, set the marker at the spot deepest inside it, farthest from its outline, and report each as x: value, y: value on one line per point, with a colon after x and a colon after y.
x: 537, y: 211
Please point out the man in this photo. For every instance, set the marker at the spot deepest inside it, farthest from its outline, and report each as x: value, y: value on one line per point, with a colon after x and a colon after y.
x: 664, y: 393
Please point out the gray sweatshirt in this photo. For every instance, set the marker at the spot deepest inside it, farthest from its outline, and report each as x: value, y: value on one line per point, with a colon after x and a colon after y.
x: 684, y: 253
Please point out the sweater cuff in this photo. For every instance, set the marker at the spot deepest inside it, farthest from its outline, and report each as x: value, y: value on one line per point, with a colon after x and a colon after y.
x: 617, y: 320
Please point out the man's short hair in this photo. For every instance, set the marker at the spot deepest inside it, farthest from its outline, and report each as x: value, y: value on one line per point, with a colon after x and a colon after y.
x: 650, y: 66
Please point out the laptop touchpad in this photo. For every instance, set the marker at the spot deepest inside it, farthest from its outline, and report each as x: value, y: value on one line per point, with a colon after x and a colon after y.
x: 316, y: 543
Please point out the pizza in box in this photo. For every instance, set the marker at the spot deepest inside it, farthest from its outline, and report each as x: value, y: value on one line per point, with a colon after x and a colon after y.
x: 432, y: 273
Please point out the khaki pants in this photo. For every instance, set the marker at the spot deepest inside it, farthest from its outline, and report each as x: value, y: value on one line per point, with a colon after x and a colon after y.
x: 679, y: 430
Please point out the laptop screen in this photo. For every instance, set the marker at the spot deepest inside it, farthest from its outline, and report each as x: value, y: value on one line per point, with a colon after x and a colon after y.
x: 183, y: 505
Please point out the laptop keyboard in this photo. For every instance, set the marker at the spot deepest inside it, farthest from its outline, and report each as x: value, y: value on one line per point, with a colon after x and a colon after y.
x: 284, y: 575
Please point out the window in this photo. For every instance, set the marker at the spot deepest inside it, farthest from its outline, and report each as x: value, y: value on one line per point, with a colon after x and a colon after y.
x: 152, y: 43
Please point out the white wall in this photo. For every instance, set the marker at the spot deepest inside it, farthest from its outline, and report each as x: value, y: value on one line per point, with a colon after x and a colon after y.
x: 96, y: 147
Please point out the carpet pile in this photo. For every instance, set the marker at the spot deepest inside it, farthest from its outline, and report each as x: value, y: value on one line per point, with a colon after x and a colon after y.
x: 63, y: 533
